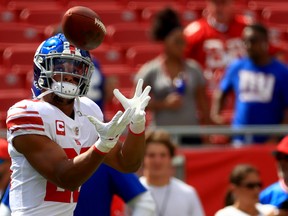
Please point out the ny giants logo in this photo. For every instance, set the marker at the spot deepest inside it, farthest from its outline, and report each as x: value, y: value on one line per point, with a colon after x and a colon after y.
x: 60, y: 127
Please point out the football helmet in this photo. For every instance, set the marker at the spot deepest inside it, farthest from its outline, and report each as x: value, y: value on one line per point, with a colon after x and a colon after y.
x: 62, y: 68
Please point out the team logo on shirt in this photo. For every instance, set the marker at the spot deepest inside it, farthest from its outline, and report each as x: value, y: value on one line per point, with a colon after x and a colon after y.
x: 76, y: 131
x: 60, y: 127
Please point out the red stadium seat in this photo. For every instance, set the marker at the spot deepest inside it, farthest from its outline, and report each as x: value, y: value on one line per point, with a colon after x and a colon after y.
x: 3, y: 116
x: 109, y: 55
x: 126, y: 35
x: 10, y: 81
x: 8, y: 16
x: 19, y: 5
x: 141, y: 4
x: 112, y: 16
x: 140, y: 54
x: 259, y: 5
x: 41, y: 16
x: 11, y: 96
x: 19, y: 55
x: 275, y: 15
x: 101, y: 5
x: 186, y: 15
x: 20, y: 33
x: 124, y: 75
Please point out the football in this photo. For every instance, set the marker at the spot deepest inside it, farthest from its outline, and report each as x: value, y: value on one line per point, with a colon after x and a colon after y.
x: 83, y: 27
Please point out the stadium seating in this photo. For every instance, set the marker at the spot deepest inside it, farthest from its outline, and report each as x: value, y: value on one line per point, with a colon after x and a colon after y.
x: 19, y: 5
x: 17, y: 34
x: 11, y: 96
x: 124, y: 75
x: 8, y: 16
x: 126, y: 35
x: 112, y: 16
x: 276, y: 16
x: 21, y: 54
x: 109, y: 55
x: 140, y: 54
x: 12, y: 80
x: 187, y: 15
x: 41, y: 17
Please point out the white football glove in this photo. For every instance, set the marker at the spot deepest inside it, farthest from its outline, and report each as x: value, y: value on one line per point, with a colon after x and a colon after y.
x: 110, y: 132
x: 139, y: 101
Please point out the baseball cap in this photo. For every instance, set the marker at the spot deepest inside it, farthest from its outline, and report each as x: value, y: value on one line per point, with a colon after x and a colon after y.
x: 282, y: 146
x: 4, y: 155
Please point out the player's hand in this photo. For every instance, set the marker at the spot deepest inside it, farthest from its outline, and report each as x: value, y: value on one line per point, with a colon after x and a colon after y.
x: 139, y: 101
x: 110, y: 132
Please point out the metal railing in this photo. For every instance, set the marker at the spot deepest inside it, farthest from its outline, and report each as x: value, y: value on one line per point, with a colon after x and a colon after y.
x: 247, y: 131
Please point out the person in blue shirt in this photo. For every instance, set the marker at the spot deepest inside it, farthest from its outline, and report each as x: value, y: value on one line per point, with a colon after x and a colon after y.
x: 259, y: 82
x: 277, y: 193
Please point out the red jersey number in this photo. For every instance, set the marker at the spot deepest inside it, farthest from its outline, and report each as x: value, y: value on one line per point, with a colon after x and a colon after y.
x: 57, y: 194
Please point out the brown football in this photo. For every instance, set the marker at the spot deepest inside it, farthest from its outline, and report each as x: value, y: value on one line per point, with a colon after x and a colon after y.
x: 83, y: 27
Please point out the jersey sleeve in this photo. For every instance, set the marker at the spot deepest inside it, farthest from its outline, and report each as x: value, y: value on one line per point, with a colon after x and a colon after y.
x: 22, y: 118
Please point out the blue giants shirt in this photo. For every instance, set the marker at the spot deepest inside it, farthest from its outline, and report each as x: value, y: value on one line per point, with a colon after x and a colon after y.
x: 275, y: 194
x: 261, y: 92
x: 96, y: 194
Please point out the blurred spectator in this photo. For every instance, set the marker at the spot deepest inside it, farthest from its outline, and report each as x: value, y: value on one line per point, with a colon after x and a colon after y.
x: 5, y: 164
x: 172, y: 196
x: 242, y: 196
x: 277, y: 193
x: 259, y: 84
x: 178, y: 86
x: 215, y: 39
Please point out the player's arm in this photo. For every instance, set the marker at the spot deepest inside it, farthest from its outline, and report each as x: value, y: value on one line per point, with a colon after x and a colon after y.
x: 127, y: 157
x: 69, y: 170
x: 52, y: 162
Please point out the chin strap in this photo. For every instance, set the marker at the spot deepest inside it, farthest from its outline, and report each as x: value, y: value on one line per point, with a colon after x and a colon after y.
x: 79, y: 113
x: 41, y: 95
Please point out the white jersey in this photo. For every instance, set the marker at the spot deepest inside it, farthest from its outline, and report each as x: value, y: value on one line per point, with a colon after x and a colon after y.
x: 176, y: 198
x: 31, y: 194
x: 232, y: 211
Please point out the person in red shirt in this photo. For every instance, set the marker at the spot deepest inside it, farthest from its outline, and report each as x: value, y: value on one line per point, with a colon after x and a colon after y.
x: 215, y: 40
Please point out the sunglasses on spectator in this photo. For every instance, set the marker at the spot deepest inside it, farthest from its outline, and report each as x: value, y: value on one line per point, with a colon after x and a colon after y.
x: 280, y: 156
x: 252, y: 185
